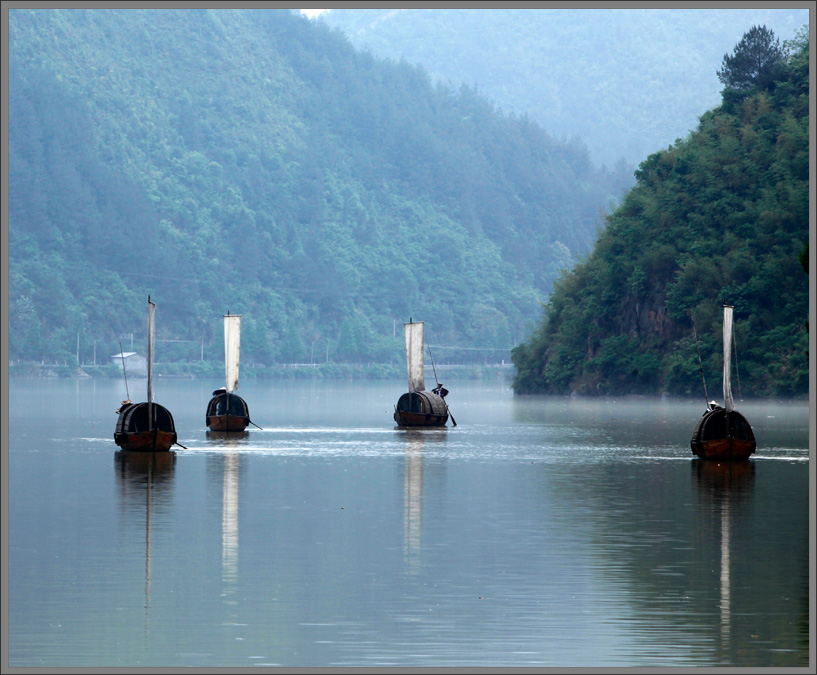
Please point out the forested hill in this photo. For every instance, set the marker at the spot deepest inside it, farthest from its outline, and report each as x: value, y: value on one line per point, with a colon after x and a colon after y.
x: 721, y: 217
x: 628, y: 82
x: 252, y: 161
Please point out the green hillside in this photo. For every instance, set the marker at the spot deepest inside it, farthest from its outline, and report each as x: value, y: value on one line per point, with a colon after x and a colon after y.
x: 627, y: 81
x: 252, y: 161
x: 722, y: 216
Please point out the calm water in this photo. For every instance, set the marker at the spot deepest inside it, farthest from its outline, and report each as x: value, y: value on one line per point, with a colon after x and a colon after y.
x: 537, y: 532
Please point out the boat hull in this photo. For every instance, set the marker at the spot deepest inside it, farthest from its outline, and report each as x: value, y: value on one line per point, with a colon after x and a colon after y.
x: 723, y: 436
x: 724, y: 449
x: 227, y: 422
x: 155, y: 440
x: 409, y: 419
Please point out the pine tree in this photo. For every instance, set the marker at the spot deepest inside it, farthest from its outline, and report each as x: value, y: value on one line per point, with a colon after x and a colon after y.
x: 755, y: 63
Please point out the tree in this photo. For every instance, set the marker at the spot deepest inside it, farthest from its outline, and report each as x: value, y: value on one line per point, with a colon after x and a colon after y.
x: 756, y: 61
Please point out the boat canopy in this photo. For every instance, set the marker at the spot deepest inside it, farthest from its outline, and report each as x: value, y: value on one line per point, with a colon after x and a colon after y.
x: 422, y: 402
x: 720, y: 423
x: 226, y: 403
x: 135, y: 418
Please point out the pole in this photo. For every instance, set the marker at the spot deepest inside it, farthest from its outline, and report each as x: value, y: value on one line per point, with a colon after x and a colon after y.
x: 695, y: 334
x: 735, y: 350
x: 428, y: 349
x: 124, y: 371
x: 436, y: 381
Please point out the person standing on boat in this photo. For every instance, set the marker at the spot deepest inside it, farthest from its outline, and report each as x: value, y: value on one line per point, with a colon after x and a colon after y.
x: 441, y: 391
x: 712, y: 406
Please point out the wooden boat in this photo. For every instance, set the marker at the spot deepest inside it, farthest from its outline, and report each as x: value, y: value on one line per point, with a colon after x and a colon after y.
x: 227, y: 411
x: 145, y: 427
x: 723, y: 434
x: 418, y: 407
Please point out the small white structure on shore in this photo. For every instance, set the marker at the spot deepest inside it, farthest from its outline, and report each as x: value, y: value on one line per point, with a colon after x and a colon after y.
x: 134, y: 363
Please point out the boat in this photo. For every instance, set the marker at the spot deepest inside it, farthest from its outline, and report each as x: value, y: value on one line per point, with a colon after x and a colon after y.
x: 418, y: 407
x: 723, y: 434
x: 227, y: 411
x: 148, y: 426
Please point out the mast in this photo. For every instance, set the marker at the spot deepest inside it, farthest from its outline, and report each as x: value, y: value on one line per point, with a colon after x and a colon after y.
x: 414, y: 356
x: 232, y: 344
x: 151, y: 310
x: 727, y: 357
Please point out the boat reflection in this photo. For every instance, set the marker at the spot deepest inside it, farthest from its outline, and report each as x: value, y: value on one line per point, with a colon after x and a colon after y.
x: 227, y: 437
x: 229, y: 522
x: 137, y: 466
x: 416, y: 440
x: 224, y: 470
x: 721, y: 486
x: 724, y: 481
x: 145, y: 480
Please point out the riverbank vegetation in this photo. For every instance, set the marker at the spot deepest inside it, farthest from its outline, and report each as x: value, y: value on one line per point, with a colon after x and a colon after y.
x: 719, y: 217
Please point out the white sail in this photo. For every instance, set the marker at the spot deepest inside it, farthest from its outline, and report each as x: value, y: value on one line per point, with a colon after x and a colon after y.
x: 414, y: 356
x: 151, y: 310
x: 727, y: 357
x: 232, y: 344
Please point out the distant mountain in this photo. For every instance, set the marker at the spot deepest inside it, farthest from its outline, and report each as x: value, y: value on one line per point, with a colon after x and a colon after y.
x: 252, y: 160
x: 720, y: 217
x: 627, y: 82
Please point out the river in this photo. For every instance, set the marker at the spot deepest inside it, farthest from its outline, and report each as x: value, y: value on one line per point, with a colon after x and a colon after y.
x: 537, y: 532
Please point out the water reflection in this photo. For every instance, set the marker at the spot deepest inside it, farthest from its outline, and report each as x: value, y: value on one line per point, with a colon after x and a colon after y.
x: 720, y: 482
x: 227, y: 437
x: 415, y: 442
x: 720, y: 486
x: 229, y: 522
x: 413, y: 499
x: 145, y: 481
x: 224, y: 470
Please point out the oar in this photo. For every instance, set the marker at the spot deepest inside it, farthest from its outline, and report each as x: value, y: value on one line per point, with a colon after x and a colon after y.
x: 255, y: 425
x: 179, y: 444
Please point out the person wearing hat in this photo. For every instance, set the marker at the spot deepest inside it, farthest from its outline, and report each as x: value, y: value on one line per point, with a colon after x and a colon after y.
x: 441, y: 391
x: 712, y: 406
